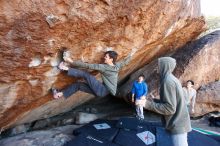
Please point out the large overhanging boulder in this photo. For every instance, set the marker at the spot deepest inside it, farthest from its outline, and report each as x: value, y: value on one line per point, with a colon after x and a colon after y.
x: 208, y: 99
x: 198, y: 61
x: 32, y: 33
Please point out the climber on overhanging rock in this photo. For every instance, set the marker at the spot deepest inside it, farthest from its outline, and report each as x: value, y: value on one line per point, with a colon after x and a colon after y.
x: 109, y: 73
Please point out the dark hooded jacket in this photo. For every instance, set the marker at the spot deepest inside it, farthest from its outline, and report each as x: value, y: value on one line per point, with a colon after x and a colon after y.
x: 172, y: 104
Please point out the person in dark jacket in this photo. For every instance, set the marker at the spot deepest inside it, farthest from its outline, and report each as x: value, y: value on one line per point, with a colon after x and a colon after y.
x: 172, y: 103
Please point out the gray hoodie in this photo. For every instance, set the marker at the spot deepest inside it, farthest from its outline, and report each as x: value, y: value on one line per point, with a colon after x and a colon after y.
x: 172, y: 103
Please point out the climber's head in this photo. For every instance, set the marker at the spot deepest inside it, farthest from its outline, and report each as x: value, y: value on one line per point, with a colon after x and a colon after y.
x: 110, y: 57
x: 189, y: 84
x: 141, y: 78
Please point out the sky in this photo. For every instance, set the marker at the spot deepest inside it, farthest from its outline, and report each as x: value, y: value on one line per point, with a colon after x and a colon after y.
x: 210, y: 7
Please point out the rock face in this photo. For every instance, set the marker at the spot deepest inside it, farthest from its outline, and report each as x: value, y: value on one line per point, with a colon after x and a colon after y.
x: 33, y: 32
x: 208, y: 99
x: 53, y: 137
x: 85, y: 118
x: 198, y: 61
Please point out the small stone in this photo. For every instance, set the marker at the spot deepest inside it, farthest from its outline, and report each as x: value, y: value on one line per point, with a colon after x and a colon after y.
x: 66, y: 54
x: 19, y: 129
x: 55, y: 61
x: 29, y: 38
x: 52, y: 20
x: 84, y: 118
x: 67, y: 121
x: 87, y: 109
x: 51, y: 42
x: 109, y: 48
x: 91, y: 110
x: 36, y: 61
x: 34, y: 82
x: 40, y: 124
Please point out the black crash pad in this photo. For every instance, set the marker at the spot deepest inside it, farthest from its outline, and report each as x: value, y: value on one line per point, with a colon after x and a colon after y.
x: 130, y: 131
x: 194, y: 139
x: 106, y: 134
x: 88, y: 140
x: 162, y: 137
x: 198, y: 139
x: 133, y: 123
x: 128, y: 137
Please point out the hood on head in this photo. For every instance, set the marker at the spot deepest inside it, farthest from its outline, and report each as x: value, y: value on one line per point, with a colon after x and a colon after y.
x: 166, y: 66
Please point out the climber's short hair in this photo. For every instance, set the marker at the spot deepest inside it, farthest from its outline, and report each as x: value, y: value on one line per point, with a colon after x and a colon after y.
x: 112, y: 54
x: 142, y: 75
x: 190, y: 82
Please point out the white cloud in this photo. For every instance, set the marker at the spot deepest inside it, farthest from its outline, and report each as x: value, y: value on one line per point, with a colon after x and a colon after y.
x: 210, y: 7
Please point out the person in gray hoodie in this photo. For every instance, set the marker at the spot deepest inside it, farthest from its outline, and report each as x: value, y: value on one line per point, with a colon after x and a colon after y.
x: 172, y: 103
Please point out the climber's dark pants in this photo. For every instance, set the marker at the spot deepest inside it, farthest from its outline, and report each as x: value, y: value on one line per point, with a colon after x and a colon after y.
x: 92, y: 85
